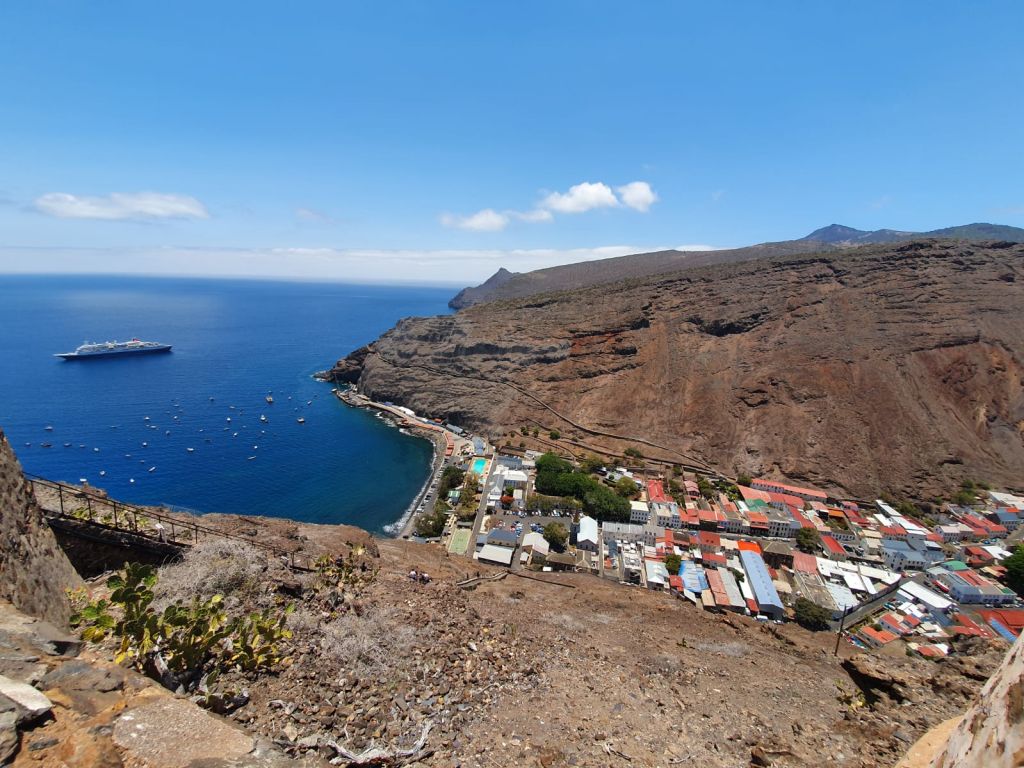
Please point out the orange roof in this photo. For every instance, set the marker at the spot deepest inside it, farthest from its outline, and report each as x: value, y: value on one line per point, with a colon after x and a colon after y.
x: 748, y: 546
x: 881, y: 636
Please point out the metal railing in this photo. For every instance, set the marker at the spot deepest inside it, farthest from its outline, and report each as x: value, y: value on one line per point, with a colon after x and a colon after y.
x: 75, y: 503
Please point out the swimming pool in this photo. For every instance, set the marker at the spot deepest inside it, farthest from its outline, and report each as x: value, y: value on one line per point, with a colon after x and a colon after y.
x: 478, y: 465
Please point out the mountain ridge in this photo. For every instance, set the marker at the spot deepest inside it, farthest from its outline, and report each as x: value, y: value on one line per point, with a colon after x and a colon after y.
x: 504, y: 284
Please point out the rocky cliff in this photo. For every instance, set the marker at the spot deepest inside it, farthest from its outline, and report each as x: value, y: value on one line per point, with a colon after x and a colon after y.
x: 34, y: 572
x: 895, y: 366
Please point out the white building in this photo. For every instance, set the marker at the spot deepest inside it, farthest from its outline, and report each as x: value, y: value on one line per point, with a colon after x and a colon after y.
x: 639, y: 512
x: 586, y: 535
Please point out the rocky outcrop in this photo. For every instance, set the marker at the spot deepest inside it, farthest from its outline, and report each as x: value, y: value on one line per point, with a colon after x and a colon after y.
x: 990, y: 734
x: 889, y: 367
x: 34, y: 572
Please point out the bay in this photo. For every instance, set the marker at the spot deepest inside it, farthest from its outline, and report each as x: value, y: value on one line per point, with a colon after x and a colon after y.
x: 235, y: 341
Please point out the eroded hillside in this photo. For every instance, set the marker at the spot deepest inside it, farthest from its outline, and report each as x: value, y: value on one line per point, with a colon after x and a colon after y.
x: 886, y: 367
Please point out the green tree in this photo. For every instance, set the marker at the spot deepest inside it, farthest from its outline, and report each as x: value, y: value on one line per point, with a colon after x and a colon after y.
x: 811, y: 615
x: 1014, y: 566
x: 633, y: 453
x: 707, y: 490
x: 556, y: 535
x: 590, y: 463
x: 554, y: 434
x: 964, y: 498
x: 808, y: 539
x: 744, y: 480
x: 672, y: 563
x: 625, y: 487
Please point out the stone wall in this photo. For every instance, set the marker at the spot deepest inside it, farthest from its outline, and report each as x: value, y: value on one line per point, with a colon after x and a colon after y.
x: 34, y: 572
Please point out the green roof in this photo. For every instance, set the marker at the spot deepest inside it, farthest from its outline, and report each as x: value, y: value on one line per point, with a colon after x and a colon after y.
x: 955, y: 565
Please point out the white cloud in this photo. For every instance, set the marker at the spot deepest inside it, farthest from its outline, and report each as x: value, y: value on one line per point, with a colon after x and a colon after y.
x: 638, y: 195
x: 121, y: 206
x: 536, y: 215
x: 456, y: 267
x: 487, y: 220
x: 580, y: 198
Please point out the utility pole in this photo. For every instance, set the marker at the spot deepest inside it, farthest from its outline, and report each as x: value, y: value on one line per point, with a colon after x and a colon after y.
x: 839, y: 634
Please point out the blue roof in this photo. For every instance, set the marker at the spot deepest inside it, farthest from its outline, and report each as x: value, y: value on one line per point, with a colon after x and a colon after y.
x: 760, y: 580
x: 693, y: 576
x: 1005, y: 633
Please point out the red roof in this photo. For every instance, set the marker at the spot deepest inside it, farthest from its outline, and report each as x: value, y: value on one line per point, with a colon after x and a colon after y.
x: 708, y: 539
x: 748, y: 546
x: 714, y: 558
x: 675, y: 581
x: 894, y: 531
x: 832, y: 545
x: 785, y: 498
x: 930, y: 651
x: 879, y: 636
x: 805, y: 563
x: 757, y: 520
x: 750, y: 494
x: 1011, y: 618
x: 793, y: 489
x: 656, y: 492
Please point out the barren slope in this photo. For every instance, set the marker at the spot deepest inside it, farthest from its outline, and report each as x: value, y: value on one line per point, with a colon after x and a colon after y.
x: 886, y: 367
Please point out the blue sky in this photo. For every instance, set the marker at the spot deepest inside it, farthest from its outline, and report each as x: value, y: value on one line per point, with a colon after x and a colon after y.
x: 438, y: 141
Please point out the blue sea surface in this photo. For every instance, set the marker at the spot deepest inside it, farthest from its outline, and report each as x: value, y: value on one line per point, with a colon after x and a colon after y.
x: 235, y: 341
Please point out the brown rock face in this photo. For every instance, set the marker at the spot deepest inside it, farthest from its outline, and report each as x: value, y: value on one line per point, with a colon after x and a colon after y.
x: 34, y: 571
x: 889, y: 367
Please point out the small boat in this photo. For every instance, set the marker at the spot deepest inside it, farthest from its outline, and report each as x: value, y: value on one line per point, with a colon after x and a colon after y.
x: 202, y: 430
x: 309, y: 402
x: 209, y: 440
x: 191, y: 450
x: 152, y: 469
x: 46, y: 445
x: 144, y: 445
x: 131, y: 480
x: 127, y: 455
x: 95, y: 450
x: 81, y: 445
x: 67, y: 445
x: 234, y: 434
x: 269, y: 399
x: 301, y: 420
x: 28, y: 445
x: 263, y: 418
x: 103, y: 472
x: 48, y: 428
x: 145, y: 418
x: 250, y: 458
x: 211, y: 398
x: 175, y: 418
x: 167, y: 432
x: 83, y: 480
x: 229, y: 418
x: 255, y: 447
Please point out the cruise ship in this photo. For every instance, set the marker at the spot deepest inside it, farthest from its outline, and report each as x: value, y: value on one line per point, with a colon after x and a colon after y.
x: 111, y: 348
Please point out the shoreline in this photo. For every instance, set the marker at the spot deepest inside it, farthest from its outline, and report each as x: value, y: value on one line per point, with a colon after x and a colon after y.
x: 436, y: 435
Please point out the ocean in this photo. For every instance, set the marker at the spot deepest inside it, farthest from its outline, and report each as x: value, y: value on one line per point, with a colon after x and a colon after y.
x: 126, y: 424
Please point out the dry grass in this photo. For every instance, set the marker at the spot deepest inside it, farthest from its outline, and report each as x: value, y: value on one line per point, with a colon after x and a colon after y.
x: 214, y: 567
x: 370, y: 644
